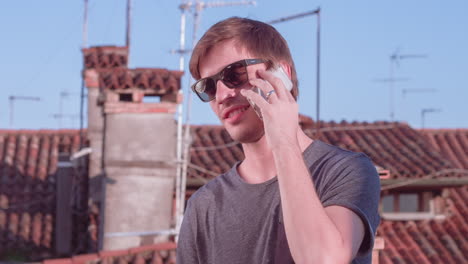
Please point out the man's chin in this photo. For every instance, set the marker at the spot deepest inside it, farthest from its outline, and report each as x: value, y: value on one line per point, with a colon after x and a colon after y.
x: 249, y: 130
x: 248, y: 135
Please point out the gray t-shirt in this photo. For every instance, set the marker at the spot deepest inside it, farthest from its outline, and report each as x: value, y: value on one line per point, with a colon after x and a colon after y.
x: 231, y: 221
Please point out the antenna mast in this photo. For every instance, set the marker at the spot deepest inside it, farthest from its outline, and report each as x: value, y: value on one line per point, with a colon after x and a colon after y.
x: 407, y: 91
x: 426, y: 111
x: 395, y: 60
x: 179, y: 196
x: 129, y: 26
x: 301, y: 15
x: 13, y: 98
x: 85, y: 25
x: 84, y: 46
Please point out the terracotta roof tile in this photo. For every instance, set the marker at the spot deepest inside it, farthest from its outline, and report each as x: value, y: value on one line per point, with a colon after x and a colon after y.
x: 28, y: 160
x: 105, y: 57
x: 393, y: 146
x: 84, y: 259
x: 452, y: 143
x: 406, y: 152
x: 157, y: 81
x: 429, y: 241
x: 163, y: 253
x: 214, y: 150
x: 58, y: 261
x: 28, y: 163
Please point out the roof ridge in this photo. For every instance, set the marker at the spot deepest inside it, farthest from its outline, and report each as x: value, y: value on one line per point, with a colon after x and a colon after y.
x: 41, y: 131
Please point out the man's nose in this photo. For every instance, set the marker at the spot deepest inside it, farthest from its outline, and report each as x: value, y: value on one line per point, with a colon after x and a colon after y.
x: 223, y: 92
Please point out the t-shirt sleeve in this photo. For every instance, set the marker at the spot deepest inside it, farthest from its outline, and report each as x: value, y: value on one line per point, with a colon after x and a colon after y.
x: 354, y: 184
x: 186, y: 245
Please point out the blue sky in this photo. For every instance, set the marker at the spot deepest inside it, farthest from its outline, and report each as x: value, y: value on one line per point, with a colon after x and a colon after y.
x: 41, y: 41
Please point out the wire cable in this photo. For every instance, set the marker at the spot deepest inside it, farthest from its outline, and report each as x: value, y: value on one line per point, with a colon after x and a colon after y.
x: 198, y: 168
x: 26, y: 204
x: 227, y: 145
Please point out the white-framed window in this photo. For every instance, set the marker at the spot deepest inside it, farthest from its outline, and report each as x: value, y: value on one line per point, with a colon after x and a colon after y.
x: 411, y: 205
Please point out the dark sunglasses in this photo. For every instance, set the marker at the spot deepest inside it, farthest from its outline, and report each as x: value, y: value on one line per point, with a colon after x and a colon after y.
x: 233, y: 76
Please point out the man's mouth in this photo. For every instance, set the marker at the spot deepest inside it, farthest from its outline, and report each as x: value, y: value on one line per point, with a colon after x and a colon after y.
x: 235, y: 114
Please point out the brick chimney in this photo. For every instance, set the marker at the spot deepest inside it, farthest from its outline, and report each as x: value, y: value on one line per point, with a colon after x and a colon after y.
x: 98, y: 59
x: 131, y: 119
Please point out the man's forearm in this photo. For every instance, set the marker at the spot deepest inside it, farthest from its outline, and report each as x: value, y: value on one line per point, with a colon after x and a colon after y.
x: 311, y: 233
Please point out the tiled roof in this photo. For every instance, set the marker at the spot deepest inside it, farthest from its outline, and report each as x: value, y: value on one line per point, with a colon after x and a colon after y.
x: 105, y: 57
x: 159, y: 81
x: 435, y: 240
x: 212, y: 152
x: 452, y: 143
x: 430, y: 241
x: 406, y: 152
x: 393, y: 146
x: 28, y: 163
x: 163, y: 253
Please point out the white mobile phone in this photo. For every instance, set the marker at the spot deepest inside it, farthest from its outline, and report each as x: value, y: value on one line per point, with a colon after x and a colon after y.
x: 279, y: 73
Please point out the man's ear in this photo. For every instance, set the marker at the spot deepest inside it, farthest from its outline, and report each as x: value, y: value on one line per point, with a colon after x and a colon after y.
x: 286, y: 68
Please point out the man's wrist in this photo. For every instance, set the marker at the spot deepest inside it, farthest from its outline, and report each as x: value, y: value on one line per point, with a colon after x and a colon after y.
x: 286, y: 149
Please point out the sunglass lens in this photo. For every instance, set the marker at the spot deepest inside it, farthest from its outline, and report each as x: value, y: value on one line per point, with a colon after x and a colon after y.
x: 200, y: 86
x: 205, y: 89
x: 210, y: 89
x: 235, y: 75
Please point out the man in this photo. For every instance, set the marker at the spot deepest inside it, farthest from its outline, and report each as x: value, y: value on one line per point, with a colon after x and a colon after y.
x: 292, y: 199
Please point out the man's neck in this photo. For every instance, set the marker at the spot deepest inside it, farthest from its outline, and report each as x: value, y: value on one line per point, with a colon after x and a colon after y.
x: 258, y: 165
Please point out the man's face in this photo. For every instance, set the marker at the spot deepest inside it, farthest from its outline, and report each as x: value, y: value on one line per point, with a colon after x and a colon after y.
x: 233, y: 109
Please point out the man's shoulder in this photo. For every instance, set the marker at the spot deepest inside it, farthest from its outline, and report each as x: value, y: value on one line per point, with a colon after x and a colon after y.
x: 338, y: 154
x: 206, y: 194
x: 332, y: 162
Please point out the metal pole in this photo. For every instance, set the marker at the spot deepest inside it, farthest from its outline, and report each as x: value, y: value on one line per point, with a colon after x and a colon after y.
x: 129, y: 25
x: 300, y: 15
x: 186, y: 139
x: 318, y: 75
x: 426, y: 111
x: 422, y: 118
x: 11, y: 99
x: 391, y: 79
x: 84, y: 45
x: 82, y: 95
x: 179, y: 193
x: 394, y: 60
x: 85, y: 25
x: 60, y: 115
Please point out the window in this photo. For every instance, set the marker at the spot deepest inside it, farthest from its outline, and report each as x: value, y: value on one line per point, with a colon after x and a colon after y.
x: 409, y: 205
x: 125, y: 97
x: 151, y: 98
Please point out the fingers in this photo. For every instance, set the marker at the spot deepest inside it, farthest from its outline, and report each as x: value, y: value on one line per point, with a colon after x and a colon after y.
x: 266, y: 89
x: 255, y: 98
x: 275, y: 82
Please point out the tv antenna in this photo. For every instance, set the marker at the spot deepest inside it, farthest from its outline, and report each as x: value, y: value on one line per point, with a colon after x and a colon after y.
x: 63, y: 95
x: 423, y: 90
x: 413, y: 91
x: 395, y: 59
x: 426, y: 111
x: 60, y: 117
x: 13, y: 98
x: 315, y: 12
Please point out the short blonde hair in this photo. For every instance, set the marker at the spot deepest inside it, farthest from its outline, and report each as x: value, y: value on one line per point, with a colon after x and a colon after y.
x: 258, y: 38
